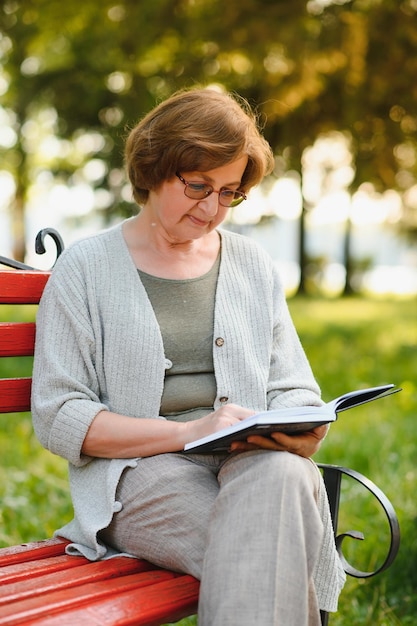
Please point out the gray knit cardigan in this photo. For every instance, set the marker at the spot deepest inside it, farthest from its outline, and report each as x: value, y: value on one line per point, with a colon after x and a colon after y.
x: 98, y: 346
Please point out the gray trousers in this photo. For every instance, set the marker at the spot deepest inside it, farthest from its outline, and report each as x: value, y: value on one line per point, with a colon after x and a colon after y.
x: 246, y: 525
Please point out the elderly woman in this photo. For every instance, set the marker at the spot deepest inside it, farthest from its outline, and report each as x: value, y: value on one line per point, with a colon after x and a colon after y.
x: 165, y: 329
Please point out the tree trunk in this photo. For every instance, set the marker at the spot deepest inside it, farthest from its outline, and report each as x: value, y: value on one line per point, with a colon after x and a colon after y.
x: 18, y: 222
x: 347, y: 258
x: 302, y: 256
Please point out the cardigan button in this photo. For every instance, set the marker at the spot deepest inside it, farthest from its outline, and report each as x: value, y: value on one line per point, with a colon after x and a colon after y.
x: 117, y: 506
x: 219, y: 342
x: 223, y: 399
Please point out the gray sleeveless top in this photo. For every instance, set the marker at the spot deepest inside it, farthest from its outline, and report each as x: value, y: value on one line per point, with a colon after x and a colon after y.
x: 185, y: 313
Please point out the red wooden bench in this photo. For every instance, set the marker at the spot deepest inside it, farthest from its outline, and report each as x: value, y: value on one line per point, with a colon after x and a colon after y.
x: 41, y: 585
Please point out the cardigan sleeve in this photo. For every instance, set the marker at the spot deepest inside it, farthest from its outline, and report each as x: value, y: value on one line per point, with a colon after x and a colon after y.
x: 65, y: 389
x: 291, y: 380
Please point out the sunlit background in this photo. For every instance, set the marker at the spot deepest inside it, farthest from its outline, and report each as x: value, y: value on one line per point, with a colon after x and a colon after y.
x: 76, y: 210
x: 334, y: 83
x: 338, y: 107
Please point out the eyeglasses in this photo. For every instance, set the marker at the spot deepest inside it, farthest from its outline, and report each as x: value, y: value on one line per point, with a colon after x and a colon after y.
x: 199, y: 191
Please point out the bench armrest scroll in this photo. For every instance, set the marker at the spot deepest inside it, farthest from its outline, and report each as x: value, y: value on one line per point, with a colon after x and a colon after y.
x: 332, y: 475
x: 39, y: 249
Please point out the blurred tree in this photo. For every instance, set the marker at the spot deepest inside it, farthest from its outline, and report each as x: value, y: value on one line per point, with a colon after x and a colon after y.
x: 71, y: 59
x: 311, y: 67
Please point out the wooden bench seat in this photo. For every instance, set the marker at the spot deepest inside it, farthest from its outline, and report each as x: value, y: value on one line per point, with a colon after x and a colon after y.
x: 41, y: 585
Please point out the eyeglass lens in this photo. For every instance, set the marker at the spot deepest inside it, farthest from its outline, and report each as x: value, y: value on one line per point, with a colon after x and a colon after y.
x: 199, y: 191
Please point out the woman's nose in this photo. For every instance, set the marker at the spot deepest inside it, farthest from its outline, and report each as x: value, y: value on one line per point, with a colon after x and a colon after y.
x: 210, y: 204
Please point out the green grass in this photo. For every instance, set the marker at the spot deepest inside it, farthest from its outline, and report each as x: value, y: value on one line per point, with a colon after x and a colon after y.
x: 351, y: 343
x: 354, y: 343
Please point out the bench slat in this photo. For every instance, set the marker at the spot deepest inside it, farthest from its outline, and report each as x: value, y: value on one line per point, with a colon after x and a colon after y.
x: 32, y: 551
x: 22, y: 287
x: 167, y: 601
x: 79, y: 596
x: 85, y: 573
x: 15, y: 395
x: 17, y: 338
x: 26, y: 571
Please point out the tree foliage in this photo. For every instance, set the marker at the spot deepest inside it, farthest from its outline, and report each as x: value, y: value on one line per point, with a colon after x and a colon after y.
x: 311, y: 67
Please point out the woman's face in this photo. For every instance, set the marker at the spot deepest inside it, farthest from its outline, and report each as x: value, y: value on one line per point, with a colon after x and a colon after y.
x: 182, y: 218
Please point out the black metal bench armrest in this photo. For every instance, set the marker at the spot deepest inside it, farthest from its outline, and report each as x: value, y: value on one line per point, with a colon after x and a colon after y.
x: 332, y: 475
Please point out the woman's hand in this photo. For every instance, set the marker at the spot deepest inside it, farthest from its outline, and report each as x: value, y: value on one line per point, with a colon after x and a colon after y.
x: 305, y: 444
x: 223, y: 417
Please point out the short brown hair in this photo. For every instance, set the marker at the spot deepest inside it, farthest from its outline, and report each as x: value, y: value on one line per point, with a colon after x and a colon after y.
x: 195, y: 129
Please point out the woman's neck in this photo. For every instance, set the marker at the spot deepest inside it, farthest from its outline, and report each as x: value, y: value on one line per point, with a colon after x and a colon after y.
x: 154, y: 253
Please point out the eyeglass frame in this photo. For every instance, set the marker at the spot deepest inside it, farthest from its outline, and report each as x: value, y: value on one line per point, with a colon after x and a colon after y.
x: 209, y: 189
